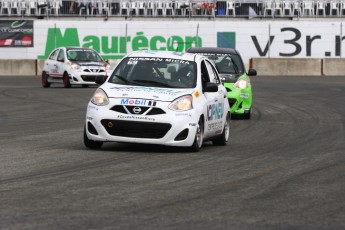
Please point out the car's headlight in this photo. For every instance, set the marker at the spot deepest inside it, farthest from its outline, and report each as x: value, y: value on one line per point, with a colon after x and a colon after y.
x: 241, y: 84
x: 100, y: 98
x: 74, y: 65
x: 182, y: 103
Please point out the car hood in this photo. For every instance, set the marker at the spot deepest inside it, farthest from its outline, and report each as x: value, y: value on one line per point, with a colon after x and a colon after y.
x: 144, y: 92
x: 99, y: 64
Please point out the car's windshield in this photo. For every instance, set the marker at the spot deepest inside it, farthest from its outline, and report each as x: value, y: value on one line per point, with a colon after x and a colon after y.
x: 227, y: 63
x: 84, y: 55
x: 155, y: 72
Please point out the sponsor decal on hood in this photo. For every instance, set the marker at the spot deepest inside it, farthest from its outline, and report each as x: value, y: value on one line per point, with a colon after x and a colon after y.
x: 150, y: 93
x: 98, y: 64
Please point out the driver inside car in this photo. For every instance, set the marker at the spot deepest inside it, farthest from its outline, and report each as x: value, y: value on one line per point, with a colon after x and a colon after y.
x: 186, y: 76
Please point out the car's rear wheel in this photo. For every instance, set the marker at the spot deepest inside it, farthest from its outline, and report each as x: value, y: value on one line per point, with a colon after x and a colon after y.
x: 199, y: 136
x: 45, y: 83
x: 90, y: 143
x: 247, y: 114
x: 224, y: 137
x: 66, y: 82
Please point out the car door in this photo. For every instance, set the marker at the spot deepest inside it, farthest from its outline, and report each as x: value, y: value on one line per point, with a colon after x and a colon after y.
x: 50, y: 62
x: 215, y: 106
x: 60, y: 63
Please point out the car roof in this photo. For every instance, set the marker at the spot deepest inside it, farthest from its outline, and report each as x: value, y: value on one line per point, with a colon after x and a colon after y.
x: 212, y: 50
x: 73, y: 47
x: 165, y: 54
x: 77, y: 47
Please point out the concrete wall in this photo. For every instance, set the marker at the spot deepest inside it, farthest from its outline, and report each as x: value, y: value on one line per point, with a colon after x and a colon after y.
x: 264, y: 66
x: 26, y: 67
x: 40, y: 64
x: 17, y: 67
x: 333, y: 66
x: 287, y: 66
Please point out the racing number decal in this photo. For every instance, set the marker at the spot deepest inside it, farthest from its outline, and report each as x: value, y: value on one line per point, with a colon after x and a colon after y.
x: 214, y: 117
x: 215, y: 111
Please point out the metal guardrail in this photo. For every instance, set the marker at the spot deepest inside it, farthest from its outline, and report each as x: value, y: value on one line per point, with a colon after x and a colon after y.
x: 171, y: 8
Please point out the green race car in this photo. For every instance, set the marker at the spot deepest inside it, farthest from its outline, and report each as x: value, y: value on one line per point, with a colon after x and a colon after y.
x: 234, y: 77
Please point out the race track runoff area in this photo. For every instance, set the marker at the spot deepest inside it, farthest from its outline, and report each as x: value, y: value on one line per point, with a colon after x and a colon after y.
x: 283, y: 169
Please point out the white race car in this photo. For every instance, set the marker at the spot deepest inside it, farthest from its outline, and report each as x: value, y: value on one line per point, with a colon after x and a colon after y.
x: 73, y: 66
x: 159, y: 97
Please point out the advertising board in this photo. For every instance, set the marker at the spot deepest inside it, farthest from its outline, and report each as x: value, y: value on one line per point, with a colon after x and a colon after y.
x: 14, y: 33
x: 114, y: 39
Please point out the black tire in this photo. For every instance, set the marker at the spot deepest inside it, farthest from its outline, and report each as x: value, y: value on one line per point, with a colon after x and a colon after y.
x: 44, y: 80
x: 199, y: 136
x: 65, y: 80
x: 90, y: 143
x: 224, y: 137
x: 247, y: 115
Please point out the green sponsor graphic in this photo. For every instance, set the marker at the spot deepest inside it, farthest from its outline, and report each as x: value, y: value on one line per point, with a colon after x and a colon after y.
x: 115, y: 47
x: 17, y: 24
x: 226, y: 40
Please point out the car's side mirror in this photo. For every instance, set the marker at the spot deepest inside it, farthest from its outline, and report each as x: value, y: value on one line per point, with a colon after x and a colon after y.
x: 60, y: 59
x: 100, y: 80
x: 211, y: 87
x: 252, y: 72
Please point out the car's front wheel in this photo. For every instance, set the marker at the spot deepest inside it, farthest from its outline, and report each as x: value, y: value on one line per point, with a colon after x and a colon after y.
x: 90, y: 143
x: 66, y: 82
x: 44, y: 80
x: 224, y: 137
x: 199, y: 137
x: 247, y: 114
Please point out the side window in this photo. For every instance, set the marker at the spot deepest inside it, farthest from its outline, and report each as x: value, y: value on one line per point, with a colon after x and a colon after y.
x: 204, y: 74
x: 212, y: 73
x: 61, y: 55
x: 53, y: 55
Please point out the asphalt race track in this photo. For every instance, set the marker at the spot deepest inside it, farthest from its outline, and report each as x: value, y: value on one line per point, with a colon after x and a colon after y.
x: 283, y: 169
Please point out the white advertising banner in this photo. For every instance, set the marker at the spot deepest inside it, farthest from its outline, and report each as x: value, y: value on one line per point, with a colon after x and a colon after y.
x: 114, y: 39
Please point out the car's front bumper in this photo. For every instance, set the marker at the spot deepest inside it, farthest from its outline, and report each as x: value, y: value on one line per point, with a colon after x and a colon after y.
x: 240, y: 101
x: 83, y: 79
x: 172, y: 128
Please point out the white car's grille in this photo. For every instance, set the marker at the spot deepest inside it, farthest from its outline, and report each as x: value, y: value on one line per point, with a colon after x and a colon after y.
x: 89, y: 77
x: 138, y: 110
x: 94, y: 70
x: 136, y: 129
